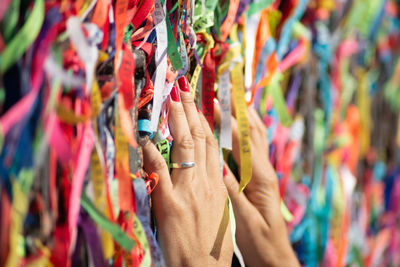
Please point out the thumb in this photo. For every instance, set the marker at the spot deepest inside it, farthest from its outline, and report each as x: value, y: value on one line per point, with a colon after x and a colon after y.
x: 241, y: 205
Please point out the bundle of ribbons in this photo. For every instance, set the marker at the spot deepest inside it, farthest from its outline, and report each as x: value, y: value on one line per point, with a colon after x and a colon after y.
x: 85, y: 84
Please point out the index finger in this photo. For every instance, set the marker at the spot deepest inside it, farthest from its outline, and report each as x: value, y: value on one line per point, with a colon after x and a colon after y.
x: 153, y: 161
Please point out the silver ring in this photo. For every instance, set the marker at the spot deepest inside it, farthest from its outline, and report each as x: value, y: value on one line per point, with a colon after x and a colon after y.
x: 182, y: 165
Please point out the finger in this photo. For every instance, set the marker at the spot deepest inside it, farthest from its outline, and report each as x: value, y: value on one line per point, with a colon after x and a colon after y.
x: 154, y: 162
x: 252, y: 116
x: 182, y: 146
x: 259, y: 128
x: 257, y: 119
x: 195, y: 126
x: 256, y: 134
x: 241, y: 205
x: 212, y: 150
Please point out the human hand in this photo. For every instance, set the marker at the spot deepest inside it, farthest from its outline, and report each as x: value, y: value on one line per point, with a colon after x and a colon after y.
x: 261, y: 232
x: 190, y: 203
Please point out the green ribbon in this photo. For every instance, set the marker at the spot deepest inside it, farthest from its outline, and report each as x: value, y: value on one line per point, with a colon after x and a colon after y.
x: 128, y: 32
x: 10, y: 20
x: 218, y: 22
x: 211, y: 4
x: 256, y: 7
x: 24, y: 38
x: 163, y: 147
x: 275, y: 91
x: 116, y: 232
x: 204, y: 22
x: 172, y: 49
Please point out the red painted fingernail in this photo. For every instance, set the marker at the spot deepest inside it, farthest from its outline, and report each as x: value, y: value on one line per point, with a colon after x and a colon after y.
x: 224, y: 171
x: 184, y: 84
x: 175, y: 94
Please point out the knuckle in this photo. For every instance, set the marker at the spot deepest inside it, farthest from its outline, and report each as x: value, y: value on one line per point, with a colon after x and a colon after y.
x: 263, y: 133
x: 212, y: 142
x: 179, y: 112
x: 198, y: 132
x: 252, y: 126
x: 158, y: 163
x: 186, y: 98
x: 186, y: 142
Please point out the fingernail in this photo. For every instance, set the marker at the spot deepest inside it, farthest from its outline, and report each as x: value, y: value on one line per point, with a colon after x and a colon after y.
x: 224, y: 171
x: 184, y: 84
x: 175, y: 94
x: 197, y: 108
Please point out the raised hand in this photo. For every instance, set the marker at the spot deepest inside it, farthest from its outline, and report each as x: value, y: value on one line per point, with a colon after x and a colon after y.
x: 261, y: 232
x: 190, y: 203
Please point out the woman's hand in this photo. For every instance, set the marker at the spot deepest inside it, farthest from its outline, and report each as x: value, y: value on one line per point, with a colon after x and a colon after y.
x: 261, y: 232
x: 190, y: 203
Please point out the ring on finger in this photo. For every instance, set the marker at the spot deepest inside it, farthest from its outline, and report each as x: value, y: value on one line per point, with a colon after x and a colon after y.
x: 182, y: 165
